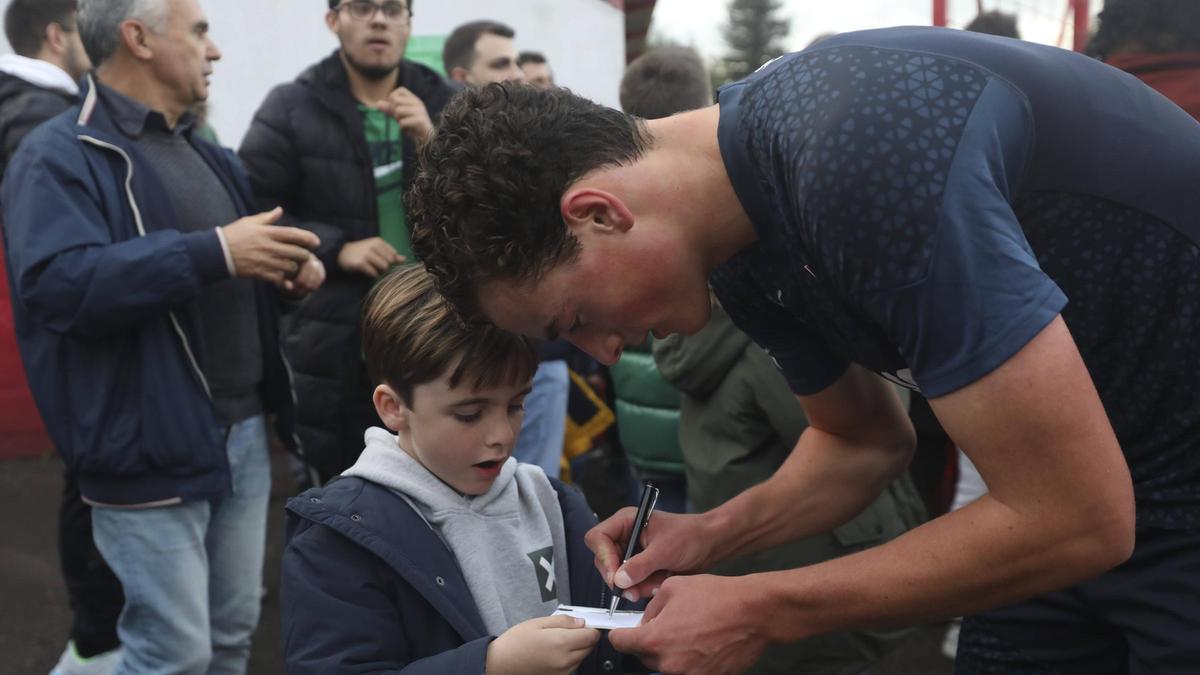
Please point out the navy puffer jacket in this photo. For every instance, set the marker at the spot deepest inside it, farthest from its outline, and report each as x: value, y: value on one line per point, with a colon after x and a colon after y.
x: 368, y: 587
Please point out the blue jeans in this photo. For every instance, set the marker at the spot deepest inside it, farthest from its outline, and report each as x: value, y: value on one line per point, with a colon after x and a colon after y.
x: 192, y: 572
x: 541, y: 439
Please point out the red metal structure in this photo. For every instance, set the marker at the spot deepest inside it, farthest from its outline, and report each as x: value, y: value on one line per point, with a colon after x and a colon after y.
x: 1082, y: 16
x: 939, y: 13
x: 1078, y: 13
x: 638, y: 14
x: 21, y: 430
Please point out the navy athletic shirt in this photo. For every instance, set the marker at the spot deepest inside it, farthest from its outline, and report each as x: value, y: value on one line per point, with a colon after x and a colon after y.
x: 928, y: 200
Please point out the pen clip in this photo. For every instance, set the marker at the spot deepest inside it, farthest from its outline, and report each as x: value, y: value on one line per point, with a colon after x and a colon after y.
x: 653, y: 502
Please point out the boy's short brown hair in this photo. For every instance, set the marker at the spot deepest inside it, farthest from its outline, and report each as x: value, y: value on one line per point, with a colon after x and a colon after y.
x: 412, y: 335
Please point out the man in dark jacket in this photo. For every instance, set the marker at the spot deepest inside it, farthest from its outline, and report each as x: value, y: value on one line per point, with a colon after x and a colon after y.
x: 38, y: 82
x: 151, y: 347
x: 337, y: 149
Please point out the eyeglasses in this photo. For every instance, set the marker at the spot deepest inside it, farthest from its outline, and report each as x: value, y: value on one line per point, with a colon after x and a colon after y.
x: 364, y: 10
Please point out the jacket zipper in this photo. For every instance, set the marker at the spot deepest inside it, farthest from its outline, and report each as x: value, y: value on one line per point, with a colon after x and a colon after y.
x: 137, y: 218
x: 313, y: 476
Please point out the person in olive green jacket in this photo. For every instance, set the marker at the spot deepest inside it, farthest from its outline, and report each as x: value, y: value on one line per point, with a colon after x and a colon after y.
x: 738, y: 420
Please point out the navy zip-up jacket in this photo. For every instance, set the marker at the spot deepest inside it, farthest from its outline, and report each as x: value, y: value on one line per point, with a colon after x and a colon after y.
x: 104, y: 289
x: 368, y: 587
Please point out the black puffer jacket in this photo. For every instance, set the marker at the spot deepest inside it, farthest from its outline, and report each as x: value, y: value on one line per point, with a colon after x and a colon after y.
x: 23, y: 106
x: 306, y: 151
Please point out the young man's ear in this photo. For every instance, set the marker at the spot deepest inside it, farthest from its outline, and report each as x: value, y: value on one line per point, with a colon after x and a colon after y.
x: 391, y: 408
x: 598, y: 210
x: 459, y: 74
x: 55, y: 39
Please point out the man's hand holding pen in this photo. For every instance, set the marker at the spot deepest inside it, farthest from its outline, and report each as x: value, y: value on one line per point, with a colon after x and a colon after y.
x: 695, y: 622
x: 641, y: 521
x: 673, y: 544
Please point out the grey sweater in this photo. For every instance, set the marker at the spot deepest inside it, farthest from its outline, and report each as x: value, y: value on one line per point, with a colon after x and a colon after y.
x: 509, y: 541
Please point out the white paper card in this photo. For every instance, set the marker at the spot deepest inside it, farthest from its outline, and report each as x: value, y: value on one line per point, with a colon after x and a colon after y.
x: 597, y: 617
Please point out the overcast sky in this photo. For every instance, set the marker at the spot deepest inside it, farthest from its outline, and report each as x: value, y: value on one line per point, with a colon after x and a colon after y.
x: 698, y: 22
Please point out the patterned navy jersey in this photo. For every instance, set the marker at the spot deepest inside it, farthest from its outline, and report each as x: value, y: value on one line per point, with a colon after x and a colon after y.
x: 928, y: 200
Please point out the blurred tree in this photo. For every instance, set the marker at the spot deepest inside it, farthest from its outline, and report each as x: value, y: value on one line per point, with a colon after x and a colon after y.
x: 718, y: 73
x: 755, y: 35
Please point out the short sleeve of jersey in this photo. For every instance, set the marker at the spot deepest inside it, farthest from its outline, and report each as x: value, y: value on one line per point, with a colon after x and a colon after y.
x: 984, y: 296
x: 803, y: 358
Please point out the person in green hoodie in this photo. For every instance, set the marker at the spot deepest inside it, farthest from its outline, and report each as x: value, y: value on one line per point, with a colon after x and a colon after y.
x: 738, y: 420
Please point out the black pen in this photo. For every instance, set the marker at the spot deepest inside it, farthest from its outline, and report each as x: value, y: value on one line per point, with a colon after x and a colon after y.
x: 645, y: 508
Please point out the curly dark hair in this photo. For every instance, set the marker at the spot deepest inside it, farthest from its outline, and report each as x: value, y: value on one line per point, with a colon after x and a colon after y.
x: 484, y: 205
x: 1154, y: 25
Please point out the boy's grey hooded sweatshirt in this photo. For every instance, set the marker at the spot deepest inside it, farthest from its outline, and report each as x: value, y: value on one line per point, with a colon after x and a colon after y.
x: 509, y: 541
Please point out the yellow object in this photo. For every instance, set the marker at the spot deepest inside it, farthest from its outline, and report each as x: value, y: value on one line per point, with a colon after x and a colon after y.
x: 580, y: 434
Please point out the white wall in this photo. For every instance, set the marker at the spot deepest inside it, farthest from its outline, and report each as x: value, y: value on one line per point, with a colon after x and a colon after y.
x: 265, y: 42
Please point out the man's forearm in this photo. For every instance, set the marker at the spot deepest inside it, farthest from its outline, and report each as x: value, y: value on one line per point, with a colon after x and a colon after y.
x: 826, y: 481
x: 1060, y: 508
x: 982, y: 556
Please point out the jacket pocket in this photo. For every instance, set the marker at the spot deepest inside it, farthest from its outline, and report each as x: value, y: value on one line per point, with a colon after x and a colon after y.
x: 179, y: 431
x: 865, y: 531
x: 136, y: 407
x: 880, y: 522
x: 101, y: 392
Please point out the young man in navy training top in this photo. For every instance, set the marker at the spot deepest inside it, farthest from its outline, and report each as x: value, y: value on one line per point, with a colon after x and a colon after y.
x: 437, y: 552
x: 914, y: 203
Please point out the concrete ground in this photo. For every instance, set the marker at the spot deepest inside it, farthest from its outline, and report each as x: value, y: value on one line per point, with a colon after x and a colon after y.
x: 34, y: 617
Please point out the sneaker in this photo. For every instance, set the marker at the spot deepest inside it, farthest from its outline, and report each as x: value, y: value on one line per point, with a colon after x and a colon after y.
x: 71, y: 663
x: 950, y: 642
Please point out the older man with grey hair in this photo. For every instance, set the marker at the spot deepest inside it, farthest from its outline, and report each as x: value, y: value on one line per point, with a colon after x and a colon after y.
x: 145, y: 298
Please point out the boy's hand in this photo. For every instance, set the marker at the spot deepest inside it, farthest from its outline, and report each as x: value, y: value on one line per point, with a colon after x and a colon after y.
x: 552, y: 645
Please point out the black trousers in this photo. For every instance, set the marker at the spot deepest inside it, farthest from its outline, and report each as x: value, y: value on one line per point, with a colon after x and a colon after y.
x: 1141, y: 618
x: 93, y: 590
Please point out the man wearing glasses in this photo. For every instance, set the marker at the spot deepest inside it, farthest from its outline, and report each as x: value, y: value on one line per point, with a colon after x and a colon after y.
x: 337, y: 149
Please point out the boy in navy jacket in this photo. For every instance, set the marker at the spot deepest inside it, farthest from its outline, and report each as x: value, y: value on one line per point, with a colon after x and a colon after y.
x: 437, y: 552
